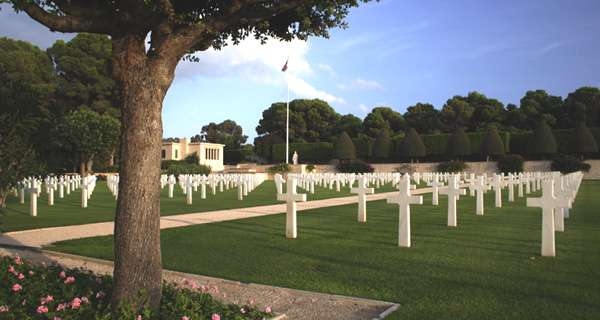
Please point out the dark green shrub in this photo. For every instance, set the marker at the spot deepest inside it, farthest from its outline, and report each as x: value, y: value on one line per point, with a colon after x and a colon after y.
x: 355, y: 166
x: 383, y: 146
x: 364, y: 146
x: 279, y: 168
x: 186, y: 168
x: 165, y: 164
x: 452, y: 166
x: 233, y: 156
x: 344, y: 148
x: 584, y: 142
x: 492, y: 144
x: 192, y: 158
x: 567, y: 164
x: 412, y: 146
x: 512, y: 163
x: 458, y: 145
x: 542, y: 141
x: 310, y: 167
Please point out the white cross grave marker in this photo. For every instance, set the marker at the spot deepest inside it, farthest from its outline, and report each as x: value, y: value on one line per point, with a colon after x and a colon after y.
x: 362, y: 190
x: 548, y: 202
x: 404, y: 199
x: 290, y: 197
x: 453, y: 191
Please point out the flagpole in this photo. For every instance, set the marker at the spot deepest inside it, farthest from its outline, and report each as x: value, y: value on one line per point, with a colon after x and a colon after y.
x: 287, y: 125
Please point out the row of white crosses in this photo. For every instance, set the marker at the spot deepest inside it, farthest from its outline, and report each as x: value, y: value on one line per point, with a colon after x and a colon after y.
x: 189, y: 183
x: 35, y: 186
x: 558, y: 194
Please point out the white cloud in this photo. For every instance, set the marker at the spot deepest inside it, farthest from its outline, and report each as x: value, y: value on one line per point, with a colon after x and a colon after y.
x: 549, y: 47
x: 364, y: 108
x: 327, y: 68
x: 361, y: 84
x: 260, y: 63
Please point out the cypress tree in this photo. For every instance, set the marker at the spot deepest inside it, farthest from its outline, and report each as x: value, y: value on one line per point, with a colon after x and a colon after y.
x: 382, y: 145
x: 584, y: 140
x: 542, y: 141
x: 492, y: 144
x: 412, y: 147
x: 458, y: 145
x: 344, y: 148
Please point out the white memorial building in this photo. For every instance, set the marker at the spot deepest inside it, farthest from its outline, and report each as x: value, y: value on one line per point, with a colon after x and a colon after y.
x: 210, y: 154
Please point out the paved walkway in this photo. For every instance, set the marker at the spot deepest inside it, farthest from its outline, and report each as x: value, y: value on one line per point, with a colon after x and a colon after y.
x: 295, y: 304
x: 38, y: 238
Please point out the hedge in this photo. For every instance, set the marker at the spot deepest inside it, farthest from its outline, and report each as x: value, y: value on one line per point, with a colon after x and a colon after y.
x: 233, y: 156
x: 315, y: 152
x: 364, y: 146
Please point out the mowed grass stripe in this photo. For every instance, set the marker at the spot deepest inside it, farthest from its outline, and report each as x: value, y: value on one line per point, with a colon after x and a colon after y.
x: 489, y: 267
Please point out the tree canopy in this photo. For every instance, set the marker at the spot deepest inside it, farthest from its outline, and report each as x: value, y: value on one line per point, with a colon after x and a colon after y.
x: 227, y: 132
x: 383, y: 119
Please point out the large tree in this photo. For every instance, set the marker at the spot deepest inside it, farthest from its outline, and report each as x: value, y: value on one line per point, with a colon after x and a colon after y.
x: 424, y: 118
x: 310, y: 121
x: 227, y: 132
x: 539, y: 106
x: 83, y: 70
x: 456, y: 113
x: 383, y: 119
x: 174, y: 28
x: 87, y: 134
x: 26, y: 86
x: 583, y: 105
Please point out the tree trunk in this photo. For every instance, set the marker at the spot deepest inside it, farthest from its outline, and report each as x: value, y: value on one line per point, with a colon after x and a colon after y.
x: 143, y: 83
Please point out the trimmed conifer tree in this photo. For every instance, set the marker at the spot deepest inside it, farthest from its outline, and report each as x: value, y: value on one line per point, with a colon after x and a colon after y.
x: 458, y: 145
x: 492, y: 145
x: 542, y: 140
x: 344, y: 148
x: 382, y: 146
x: 585, y: 142
x: 412, y: 147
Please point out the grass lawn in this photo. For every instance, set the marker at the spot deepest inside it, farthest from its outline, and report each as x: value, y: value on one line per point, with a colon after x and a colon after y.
x: 489, y: 267
x: 101, y: 207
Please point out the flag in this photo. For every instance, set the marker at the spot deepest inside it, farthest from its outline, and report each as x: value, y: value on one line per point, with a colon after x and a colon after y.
x: 284, y: 69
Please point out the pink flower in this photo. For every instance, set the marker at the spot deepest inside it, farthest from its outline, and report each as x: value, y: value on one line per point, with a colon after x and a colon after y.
x: 16, y: 287
x: 268, y: 310
x: 62, y: 275
x: 31, y: 273
x: 185, y: 318
x: 215, y: 317
x: 76, y: 303
x: 47, y: 299
x: 61, y: 307
x: 21, y: 276
x: 100, y: 294
x: 11, y: 269
x: 70, y: 280
x: 139, y: 317
x: 4, y: 309
x: 42, y: 309
x: 18, y: 260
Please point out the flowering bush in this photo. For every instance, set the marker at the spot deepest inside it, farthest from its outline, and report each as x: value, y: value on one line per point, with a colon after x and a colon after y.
x: 29, y: 291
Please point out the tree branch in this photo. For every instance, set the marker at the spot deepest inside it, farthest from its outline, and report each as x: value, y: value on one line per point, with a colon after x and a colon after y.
x: 66, y: 23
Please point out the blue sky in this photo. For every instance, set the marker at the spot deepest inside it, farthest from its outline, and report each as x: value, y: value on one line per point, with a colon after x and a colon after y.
x: 395, y: 53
